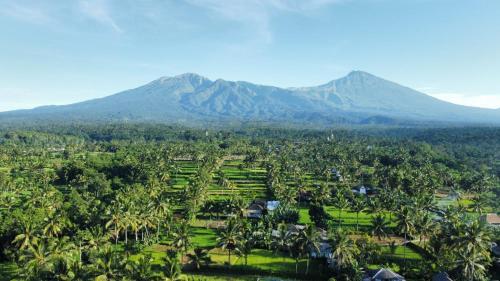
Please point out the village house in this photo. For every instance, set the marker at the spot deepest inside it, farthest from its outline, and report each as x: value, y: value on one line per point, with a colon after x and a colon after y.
x: 255, y: 210
x: 325, y: 251
x: 382, y: 274
x: 491, y: 219
x: 258, y: 208
x: 362, y: 190
x: 272, y: 205
x: 336, y: 174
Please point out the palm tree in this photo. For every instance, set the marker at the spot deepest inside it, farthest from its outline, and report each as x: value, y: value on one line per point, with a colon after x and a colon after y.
x: 472, y: 265
x: 406, y: 226
x: 375, y: 205
x: 141, y: 270
x: 172, y: 268
x: 297, y: 247
x: 95, y: 238
x: 68, y: 268
x: 264, y: 234
x: 341, y: 203
x: 161, y: 211
x: 64, y: 250
x: 379, y: 226
x: 472, y: 242
x: 229, y: 238
x: 358, y: 205
x: 36, y: 261
x: 247, y: 241
x: 312, y: 239
x: 55, y: 226
x: 344, y: 250
x: 182, y: 237
x: 115, y: 221
x: 425, y: 226
x: 282, y: 239
x: 479, y: 204
x: 199, y: 258
x: 27, y: 238
x: 108, y: 264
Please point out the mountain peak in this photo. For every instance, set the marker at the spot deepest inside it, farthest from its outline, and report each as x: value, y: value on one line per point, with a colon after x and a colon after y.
x: 358, y: 74
x: 355, y: 75
x: 190, y: 75
x: 190, y: 97
x: 182, y: 79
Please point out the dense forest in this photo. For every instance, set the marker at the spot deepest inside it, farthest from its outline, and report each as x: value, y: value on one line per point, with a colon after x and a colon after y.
x: 155, y: 202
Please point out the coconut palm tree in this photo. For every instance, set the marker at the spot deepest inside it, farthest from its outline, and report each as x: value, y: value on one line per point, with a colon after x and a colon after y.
x: 379, y: 226
x: 27, y: 238
x: 229, y: 238
x: 115, y: 221
x: 358, y: 205
x: 341, y: 203
x: 161, y: 211
x: 199, y: 258
x: 108, y: 264
x: 246, y: 241
x: 472, y: 243
x: 312, y: 239
x: 406, y: 226
x: 141, y: 269
x: 54, y: 225
x: 344, y: 250
x: 472, y: 265
x: 182, y: 237
x: 35, y: 261
x: 172, y: 268
x: 480, y: 202
x: 281, y: 240
x: 297, y: 246
x: 424, y: 226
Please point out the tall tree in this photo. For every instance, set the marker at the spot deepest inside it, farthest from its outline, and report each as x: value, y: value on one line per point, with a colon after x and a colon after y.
x: 182, y: 237
x: 229, y: 237
x: 379, y: 226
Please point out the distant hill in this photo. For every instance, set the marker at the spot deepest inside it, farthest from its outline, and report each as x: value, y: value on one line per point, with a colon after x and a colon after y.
x: 358, y: 98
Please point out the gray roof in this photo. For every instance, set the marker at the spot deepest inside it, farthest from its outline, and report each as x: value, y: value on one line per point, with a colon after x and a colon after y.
x: 385, y: 274
x: 496, y: 251
x: 441, y: 276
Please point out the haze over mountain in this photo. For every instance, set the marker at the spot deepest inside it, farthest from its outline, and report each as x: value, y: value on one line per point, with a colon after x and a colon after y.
x: 358, y: 98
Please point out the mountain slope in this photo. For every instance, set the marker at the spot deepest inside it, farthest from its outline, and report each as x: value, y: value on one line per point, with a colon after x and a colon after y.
x: 189, y: 98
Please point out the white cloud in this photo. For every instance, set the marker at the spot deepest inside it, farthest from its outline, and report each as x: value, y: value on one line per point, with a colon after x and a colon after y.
x: 258, y: 13
x: 98, y: 10
x: 33, y: 13
x: 484, y: 101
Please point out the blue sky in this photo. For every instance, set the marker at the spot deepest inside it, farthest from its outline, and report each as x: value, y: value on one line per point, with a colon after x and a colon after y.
x: 57, y: 52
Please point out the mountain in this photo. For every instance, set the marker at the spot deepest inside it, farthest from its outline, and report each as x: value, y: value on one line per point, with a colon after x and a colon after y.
x: 358, y: 98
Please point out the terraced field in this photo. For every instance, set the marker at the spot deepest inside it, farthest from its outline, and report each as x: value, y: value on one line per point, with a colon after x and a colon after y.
x: 250, y: 183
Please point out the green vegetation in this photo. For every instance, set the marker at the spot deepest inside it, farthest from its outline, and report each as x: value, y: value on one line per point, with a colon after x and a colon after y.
x: 124, y: 202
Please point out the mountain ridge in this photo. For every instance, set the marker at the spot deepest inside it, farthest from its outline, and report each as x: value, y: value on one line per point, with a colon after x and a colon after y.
x: 357, y: 98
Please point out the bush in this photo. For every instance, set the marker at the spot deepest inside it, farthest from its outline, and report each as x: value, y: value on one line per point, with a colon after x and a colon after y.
x: 286, y: 215
x: 319, y: 216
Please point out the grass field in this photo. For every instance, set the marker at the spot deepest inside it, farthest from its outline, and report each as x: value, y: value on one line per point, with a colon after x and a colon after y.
x: 260, y: 259
x: 229, y: 277
x: 250, y: 182
x: 203, y: 237
x: 347, y: 218
x: 400, y: 253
